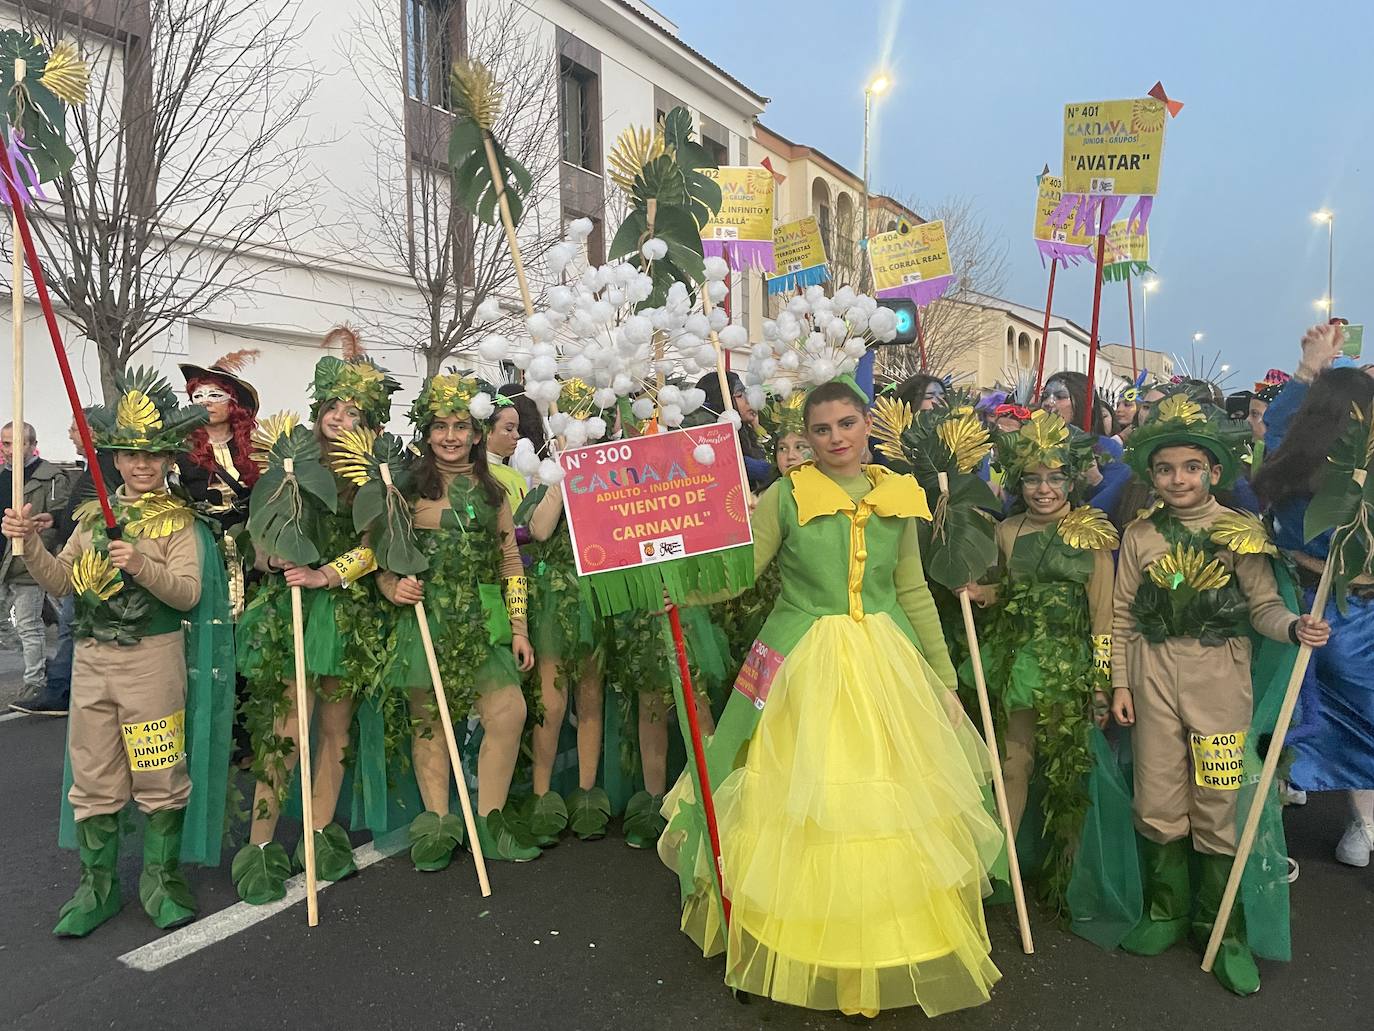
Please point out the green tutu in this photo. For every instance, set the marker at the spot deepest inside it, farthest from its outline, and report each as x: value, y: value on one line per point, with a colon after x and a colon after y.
x: 408, y: 670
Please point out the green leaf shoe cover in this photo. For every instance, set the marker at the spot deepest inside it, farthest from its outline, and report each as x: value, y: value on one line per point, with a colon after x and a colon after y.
x: 162, y: 887
x: 589, y: 812
x: 548, y: 818
x: 433, y: 839
x: 260, y: 873
x: 97, y: 895
x: 643, y: 822
x: 1235, y: 964
x: 500, y: 840
x: 1167, y: 900
x: 333, y: 854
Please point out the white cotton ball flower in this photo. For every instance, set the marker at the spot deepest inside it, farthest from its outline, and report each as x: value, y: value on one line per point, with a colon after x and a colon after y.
x: 543, y: 350
x: 718, y: 320
x: 815, y: 344
x: 883, y: 324
x: 790, y: 361
x: 815, y: 294
x: 580, y: 367
x: 639, y: 329
x: 855, y: 348
x: 677, y: 293
x: 836, y: 331
x: 614, y: 296
x: 705, y: 454
x: 784, y: 388
x: 643, y: 408
x: 705, y: 355
x: 844, y: 297
x: 823, y: 318
x: 670, y: 395
x: 756, y: 397
x: 550, y: 472
x: 789, y: 327
x: 591, y: 281
x: 761, y: 351
x: 770, y: 330
x: 543, y: 368
x: 797, y: 307
x: 575, y: 434
x: 769, y: 368
x: 732, y: 417
x: 525, y: 460
x: 560, y: 256
x: 605, y: 397
x: 717, y: 269
x: 540, y: 327
x: 602, y: 313
x: 866, y: 304
x: 558, y: 422
x: 847, y: 366
x: 481, y: 406
x: 520, y: 359
x: 671, y: 416
x: 543, y: 391
x: 697, y: 324
x: 596, y: 427
x: 858, y: 321
x: 639, y: 289
x: 688, y: 343
x: 624, y: 273
x: 579, y: 229
x: 822, y: 371
x: 622, y: 384
x: 654, y: 250
x: 692, y: 399
x: 716, y: 292
x: 560, y: 299
x: 734, y: 337
x: 488, y: 311
x: 493, y: 348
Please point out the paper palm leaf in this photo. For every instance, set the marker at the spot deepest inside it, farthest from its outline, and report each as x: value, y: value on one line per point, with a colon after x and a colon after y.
x: 380, y: 510
x: 158, y: 515
x: 477, y: 104
x: 891, y: 418
x: 36, y: 104
x: 292, y: 494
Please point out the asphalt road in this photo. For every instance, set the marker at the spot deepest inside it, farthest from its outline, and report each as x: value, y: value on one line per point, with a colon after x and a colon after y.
x: 584, y: 938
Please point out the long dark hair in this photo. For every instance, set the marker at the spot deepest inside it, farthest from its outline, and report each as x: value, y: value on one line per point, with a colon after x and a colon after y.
x: 531, y: 422
x: 748, y: 436
x: 1295, y: 468
x: 1077, y: 385
x: 428, y: 482
x: 913, y: 389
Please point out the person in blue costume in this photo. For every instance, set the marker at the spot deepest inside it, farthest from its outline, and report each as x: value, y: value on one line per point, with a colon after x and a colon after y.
x: 1333, y: 735
x: 344, y: 639
x: 153, y: 672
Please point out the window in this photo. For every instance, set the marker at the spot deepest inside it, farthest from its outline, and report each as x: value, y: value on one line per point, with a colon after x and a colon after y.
x: 432, y: 38
x: 717, y: 150
x: 581, y: 116
x: 1023, y: 355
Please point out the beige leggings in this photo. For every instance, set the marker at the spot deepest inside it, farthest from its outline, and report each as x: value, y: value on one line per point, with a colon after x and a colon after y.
x: 1018, y: 761
x: 332, y: 721
x: 590, y: 704
x: 653, y: 738
x: 502, y: 713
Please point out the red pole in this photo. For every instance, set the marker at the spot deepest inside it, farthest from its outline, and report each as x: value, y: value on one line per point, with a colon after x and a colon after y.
x: 45, y: 302
x: 1090, y: 401
x: 689, y: 707
x: 920, y: 336
x: 1045, y: 334
x: 729, y: 289
x: 1130, y: 312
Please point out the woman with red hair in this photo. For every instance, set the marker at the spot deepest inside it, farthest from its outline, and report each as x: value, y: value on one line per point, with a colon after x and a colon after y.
x: 216, y: 470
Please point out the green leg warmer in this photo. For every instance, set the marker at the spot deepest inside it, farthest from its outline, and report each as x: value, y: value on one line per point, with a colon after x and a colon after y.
x: 1167, y: 900
x: 333, y: 854
x: 97, y: 895
x: 1235, y: 965
x: 162, y: 886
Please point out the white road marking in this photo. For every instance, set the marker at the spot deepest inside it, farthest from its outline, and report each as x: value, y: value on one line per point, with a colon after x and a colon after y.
x: 201, y: 934
x: 14, y: 716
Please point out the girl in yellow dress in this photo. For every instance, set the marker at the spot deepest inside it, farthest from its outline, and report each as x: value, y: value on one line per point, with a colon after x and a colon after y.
x: 855, y: 844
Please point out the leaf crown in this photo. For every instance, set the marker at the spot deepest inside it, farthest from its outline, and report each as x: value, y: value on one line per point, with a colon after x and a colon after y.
x: 147, y: 416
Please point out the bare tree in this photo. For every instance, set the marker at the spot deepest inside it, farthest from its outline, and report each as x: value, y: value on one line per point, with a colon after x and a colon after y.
x: 951, y: 324
x: 408, y: 220
x: 188, y: 184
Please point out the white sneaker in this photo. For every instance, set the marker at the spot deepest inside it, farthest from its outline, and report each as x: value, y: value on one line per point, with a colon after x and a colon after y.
x: 1289, y: 795
x: 1356, y: 844
x: 1292, y: 869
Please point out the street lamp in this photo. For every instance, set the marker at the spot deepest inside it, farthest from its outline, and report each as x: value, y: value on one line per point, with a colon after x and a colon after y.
x: 1329, y: 217
x: 1147, y: 287
x: 876, y: 88
x: 1197, y: 337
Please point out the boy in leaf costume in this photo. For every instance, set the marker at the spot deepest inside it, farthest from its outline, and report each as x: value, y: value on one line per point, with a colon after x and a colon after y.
x: 1048, y: 646
x: 345, y: 639
x: 1192, y: 580
x: 152, y: 675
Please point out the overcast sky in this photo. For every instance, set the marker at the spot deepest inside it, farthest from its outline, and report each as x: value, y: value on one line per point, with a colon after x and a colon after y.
x: 1277, y: 124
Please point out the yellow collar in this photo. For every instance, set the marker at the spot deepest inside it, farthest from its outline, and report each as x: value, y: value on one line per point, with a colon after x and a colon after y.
x: 893, y: 494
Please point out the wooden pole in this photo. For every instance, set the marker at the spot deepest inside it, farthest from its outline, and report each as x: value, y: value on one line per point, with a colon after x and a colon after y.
x: 455, y: 761
x: 312, y: 902
x: 1271, y: 764
x: 1090, y: 402
x: 19, y: 440
x: 1045, y: 334
x: 990, y: 736
x: 499, y: 180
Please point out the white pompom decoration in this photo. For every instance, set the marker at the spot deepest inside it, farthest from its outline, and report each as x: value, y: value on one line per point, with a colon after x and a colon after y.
x: 488, y: 311
x: 558, y: 422
x: 596, y: 427
x: 493, y: 348
x: 717, y: 292
x: 550, y: 472
x: 692, y: 399
x: 716, y: 269
x: 705, y: 454
x: 732, y: 417
x: 654, y: 250
x: 734, y: 337
x: 643, y: 408
x: 579, y: 229
x: 525, y: 460
x: 481, y: 406
x: 756, y: 397
x: 604, y: 398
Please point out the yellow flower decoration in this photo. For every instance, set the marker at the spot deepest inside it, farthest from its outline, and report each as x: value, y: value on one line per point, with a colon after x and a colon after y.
x: 352, y: 455
x: 634, y: 148
x: 1188, y: 567
x: 153, y: 516
x: 967, y: 440
x: 1244, y: 534
x: 476, y: 93
x: 268, y: 431
x: 450, y: 395
x: 92, y: 573
x: 1088, y: 529
x: 1180, y: 407
x: 891, y: 418
x: 66, y: 75
x: 137, y: 413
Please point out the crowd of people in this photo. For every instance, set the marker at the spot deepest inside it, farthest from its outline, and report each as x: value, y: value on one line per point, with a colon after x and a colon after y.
x: 1152, y: 579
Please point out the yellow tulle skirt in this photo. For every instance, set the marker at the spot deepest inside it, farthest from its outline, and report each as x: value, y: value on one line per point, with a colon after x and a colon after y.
x: 855, y: 840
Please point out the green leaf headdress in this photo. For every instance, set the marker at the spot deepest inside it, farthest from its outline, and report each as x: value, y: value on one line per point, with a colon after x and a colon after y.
x: 147, y: 416
x: 1179, y: 421
x: 354, y: 378
x: 1045, y: 440
x: 292, y: 494
x: 781, y: 416
x: 379, y: 509
x: 453, y: 393
x: 35, y: 105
